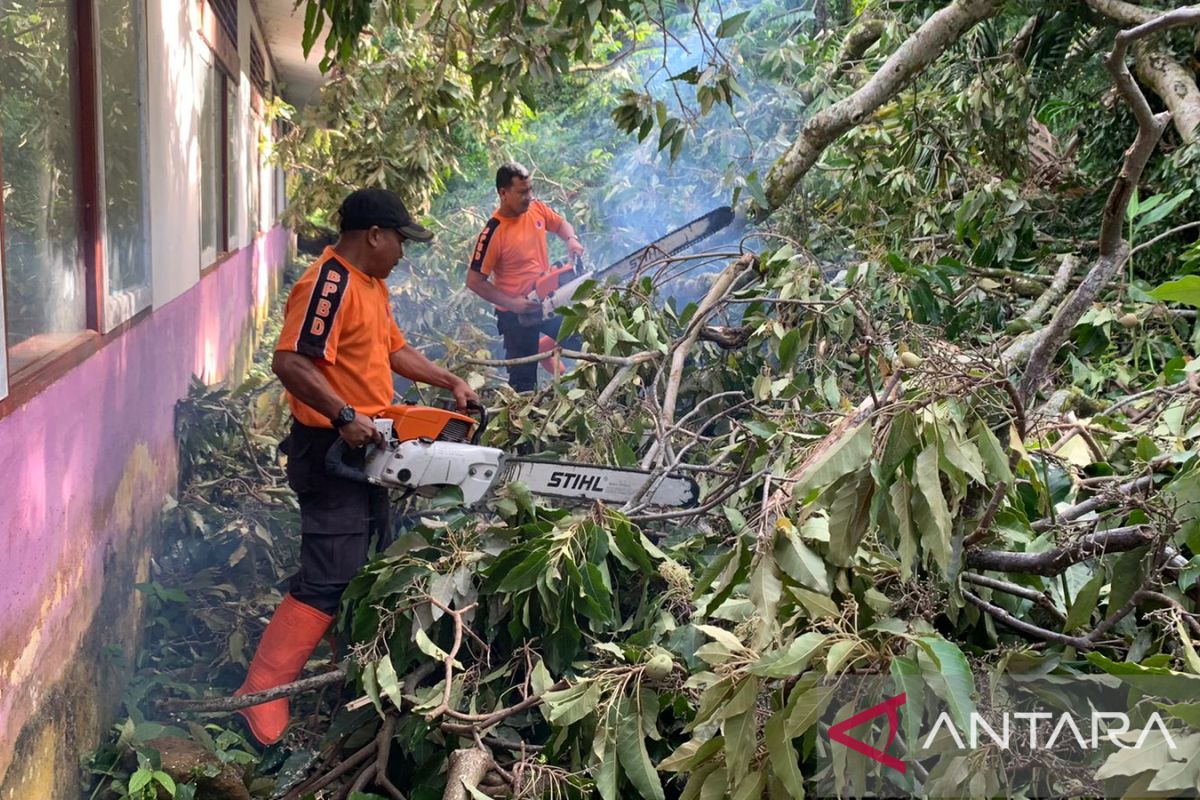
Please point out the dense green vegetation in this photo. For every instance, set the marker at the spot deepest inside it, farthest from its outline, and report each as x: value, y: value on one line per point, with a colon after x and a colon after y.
x: 926, y: 468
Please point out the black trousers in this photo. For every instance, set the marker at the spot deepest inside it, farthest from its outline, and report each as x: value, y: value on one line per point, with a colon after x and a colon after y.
x: 522, y: 340
x: 338, y: 518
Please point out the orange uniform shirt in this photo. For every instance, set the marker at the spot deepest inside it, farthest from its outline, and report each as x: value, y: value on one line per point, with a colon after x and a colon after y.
x: 512, y: 250
x: 342, y: 318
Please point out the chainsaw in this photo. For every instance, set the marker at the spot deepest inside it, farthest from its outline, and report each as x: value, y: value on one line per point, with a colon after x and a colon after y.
x: 426, y: 449
x: 558, y: 285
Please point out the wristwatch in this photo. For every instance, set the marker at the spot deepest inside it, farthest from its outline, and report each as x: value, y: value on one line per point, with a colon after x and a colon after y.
x: 344, y: 417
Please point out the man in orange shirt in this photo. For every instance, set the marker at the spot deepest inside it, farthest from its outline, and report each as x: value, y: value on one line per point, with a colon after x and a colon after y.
x: 509, y: 256
x: 336, y: 354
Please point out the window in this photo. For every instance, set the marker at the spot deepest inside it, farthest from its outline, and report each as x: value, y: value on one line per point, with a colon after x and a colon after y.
x: 73, y: 228
x: 226, y: 12
x: 254, y: 182
x: 235, y: 166
x: 258, y: 68
x: 212, y: 165
x: 120, y: 92
x: 46, y: 299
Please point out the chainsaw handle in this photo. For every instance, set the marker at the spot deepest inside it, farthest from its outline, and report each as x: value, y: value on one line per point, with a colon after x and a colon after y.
x: 335, y: 463
x: 481, y: 412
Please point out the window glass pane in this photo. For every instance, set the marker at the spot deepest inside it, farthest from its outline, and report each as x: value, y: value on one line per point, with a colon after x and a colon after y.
x: 255, y: 171
x: 45, y: 298
x: 120, y: 28
x: 210, y: 165
x: 233, y: 152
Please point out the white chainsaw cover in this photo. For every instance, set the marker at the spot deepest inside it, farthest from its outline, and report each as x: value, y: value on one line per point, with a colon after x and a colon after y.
x: 417, y: 464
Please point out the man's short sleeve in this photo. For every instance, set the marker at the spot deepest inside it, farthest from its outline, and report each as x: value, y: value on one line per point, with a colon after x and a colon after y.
x: 313, y: 316
x: 396, y: 340
x: 483, y: 258
x: 553, y: 220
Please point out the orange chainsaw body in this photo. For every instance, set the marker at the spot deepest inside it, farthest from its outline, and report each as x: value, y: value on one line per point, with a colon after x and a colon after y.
x: 424, y: 422
x: 551, y: 280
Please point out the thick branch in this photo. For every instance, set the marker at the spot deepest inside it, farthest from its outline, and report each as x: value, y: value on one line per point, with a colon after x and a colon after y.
x: 1052, y: 562
x: 1059, y: 285
x: 1168, y: 78
x: 1040, y: 599
x: 1093, y: 503
x: 467, y: 768
x: 1113, y: 247
x: 1027, y: 628
x: 939, y: 32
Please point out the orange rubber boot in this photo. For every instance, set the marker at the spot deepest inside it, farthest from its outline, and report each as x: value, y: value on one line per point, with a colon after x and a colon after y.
x: 292, y: 634
x: 552, y: 364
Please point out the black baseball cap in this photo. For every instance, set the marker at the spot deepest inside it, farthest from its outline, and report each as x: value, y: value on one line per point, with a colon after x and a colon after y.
x: 366, y: 208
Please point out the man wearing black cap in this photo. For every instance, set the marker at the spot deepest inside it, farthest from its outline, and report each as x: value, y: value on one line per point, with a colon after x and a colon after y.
x: 336, y: 354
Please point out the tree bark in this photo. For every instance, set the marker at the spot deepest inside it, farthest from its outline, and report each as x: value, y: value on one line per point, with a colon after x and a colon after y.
x: 467, y: 768
x: 1165, y: 76
x: 938, y: 33
x: 1114, y: 250
x: 1052, y: 562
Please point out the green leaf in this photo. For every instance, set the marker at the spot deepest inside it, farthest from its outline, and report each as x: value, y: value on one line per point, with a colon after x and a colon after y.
x: 740, y: 739
x: 385, y: 672
x: 849, y: 454
x: 900, y: 496
x: 1185, y: 290
x: 426, y: 646
x: 791, y: 660
x: 806, y: 705
x: 788, y: 348
x: 604, y: 752
x: 995, y: 459
x: 371, y: 686
x: 570, y: 705
x: 731, y: 25
x: 1150, y: 213
x: 1127, y: 573
x: 850, y: 516
x: 930, y: 511
x: 475, y: 793
x: 691, y: 754
x: 799, y: 562
x: 951, y: 674
x: 766, y: 588
x: 838, y: 655
x: 1130, y: 761
x: 1081, y: 610
x: 782, y: 756
x: 524, y: 576
x: 751, y: 787
x: 631, y: 750
x: 166, y: 781
x: 819, y: 606
x: 721, y: 636
x: 1190, y: 657
x: 139, y: 780
x: 1188, y: 712
x: 906, y: 673
x: 1154, y: 681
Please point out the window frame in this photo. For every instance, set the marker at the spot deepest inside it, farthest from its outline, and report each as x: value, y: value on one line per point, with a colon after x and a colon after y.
x: 211, y: 258
x: 105, y: 318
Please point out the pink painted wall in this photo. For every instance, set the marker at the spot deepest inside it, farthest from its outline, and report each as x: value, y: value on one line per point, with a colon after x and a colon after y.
x: 88, y: 463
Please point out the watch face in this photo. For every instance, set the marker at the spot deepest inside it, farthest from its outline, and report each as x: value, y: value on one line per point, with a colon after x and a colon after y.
x: 346, y: 415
